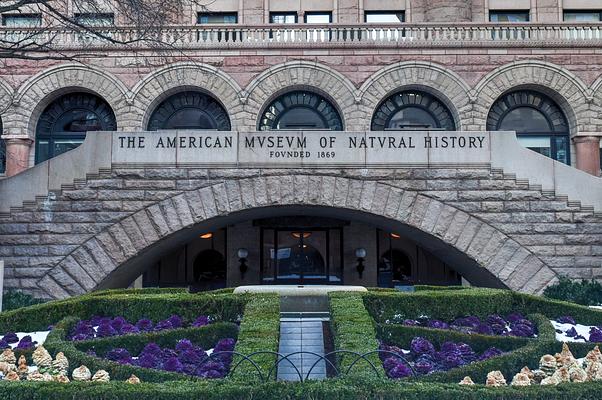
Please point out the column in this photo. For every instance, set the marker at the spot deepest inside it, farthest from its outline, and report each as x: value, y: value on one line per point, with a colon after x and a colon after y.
x: 17, y: 155
x: 587, y: 149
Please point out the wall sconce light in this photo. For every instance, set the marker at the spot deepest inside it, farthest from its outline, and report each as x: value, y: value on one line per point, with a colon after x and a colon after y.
x: 242, y: 259
x: 361, y: 255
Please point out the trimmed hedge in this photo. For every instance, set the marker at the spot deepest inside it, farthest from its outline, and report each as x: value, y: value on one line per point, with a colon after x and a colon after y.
x: 259, y: 331
x: 132, y: 306
x: 584, y: 292
x: 353, y: 330
x: 13, y: 299
x: 335, y: 389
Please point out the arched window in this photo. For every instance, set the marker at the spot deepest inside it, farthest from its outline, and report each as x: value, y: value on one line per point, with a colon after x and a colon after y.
x: 189, y: 110
x: 539, y: 123
x: 64, y: 123
x: 300, y: 110
x: 412, y: 109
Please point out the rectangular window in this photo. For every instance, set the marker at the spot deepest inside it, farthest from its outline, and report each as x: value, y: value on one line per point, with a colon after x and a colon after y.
x: 283, y: 18
x: 509, y: 16
x: 583, y: 16
x: 2, y: 156
x: 318, y: 17
x: 384, y: 17
x: 95, y: 19
x: 218, y: 18
x: 22, y: 20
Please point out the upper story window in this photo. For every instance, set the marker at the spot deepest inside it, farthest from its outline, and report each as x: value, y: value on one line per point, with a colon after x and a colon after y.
x: 283, y: 17
x: 509, y: 16
x: 218, y: 18
x: 22, y: 20
x: 583, y: 16
x: 95, y: 19
x: 384, y: 17
x: 318, y: 17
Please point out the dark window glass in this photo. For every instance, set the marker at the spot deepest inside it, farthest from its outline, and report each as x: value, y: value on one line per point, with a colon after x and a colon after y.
x: 384, y: 17
x: 583, y: 16
x: 64, y: 123
x: 22, y: 20
x: 218, y: 18
x: 283, y: 18
x: 2, y: 156
x: 539, y: 123
x: 318, y: 17
x: 300, y: 110
x: 95, y: 19
x: 189, y: 110
x: 509, y: 16
x: 412, y: 109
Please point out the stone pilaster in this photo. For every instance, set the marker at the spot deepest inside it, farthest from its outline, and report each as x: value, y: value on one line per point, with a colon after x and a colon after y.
x: 17, y: 155
x: 587, y: 149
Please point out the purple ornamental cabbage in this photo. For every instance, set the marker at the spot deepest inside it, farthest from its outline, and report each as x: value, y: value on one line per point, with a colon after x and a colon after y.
x: 420, y: 345
x: 152, y: 348
x: 163, y: 325
x: 400, y: 371
x: 390, y: 363
x: 466, y: 351
x: 117, y: 323
x: 4, y: 344
x: 212, y: 365
x: 191, y: 357
x: 26, y: 344
x: 451, y: 360
x: 176, y: 321
x: 147, y: 360
x: 571, y: 332
x: 106, y: 330
x: 118, y: 354
x: 184, y: 345
x: 410, y: 322
x: 470, y: 321
x: 10, y: 337
x: 521, y: 329
x: 128, y: 329
x: 202, y: 320
x: 489, y: 353
x: 484, y: 329
x: 580, y: 337
x: 566, y: 319
x: 437, y: 324
x: 211, y: 374
x: 173, y: 365
x: 424, y: 367
x: 515, y: 317
x: 225, y: 345
x: 495, y: 319
x: 144, y: 325
x: 595, y: 334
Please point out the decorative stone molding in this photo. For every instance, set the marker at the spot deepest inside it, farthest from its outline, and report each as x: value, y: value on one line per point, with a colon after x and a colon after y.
x: 40, y: 90
x: 160, y: 84
x: 560, y: 84
x: 444, y: 84
x: 105, y: 253
x: 304, y: 75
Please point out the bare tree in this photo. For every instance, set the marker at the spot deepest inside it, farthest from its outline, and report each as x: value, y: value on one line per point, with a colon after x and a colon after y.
x: 142, y: 23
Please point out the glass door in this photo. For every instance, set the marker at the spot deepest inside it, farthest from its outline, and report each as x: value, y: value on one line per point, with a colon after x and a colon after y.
x: 301, y: 256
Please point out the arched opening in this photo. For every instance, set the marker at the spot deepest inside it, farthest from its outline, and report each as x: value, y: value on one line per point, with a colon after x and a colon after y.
x: 209, y: 270
x: 272, y: 236
x: 412, y: 109
x: 62, y: 126
x: 189, y: 110
x: 300, y: 110
x: 538, y: 121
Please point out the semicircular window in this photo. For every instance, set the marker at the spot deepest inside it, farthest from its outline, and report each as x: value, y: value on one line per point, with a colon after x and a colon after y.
x: 412, y: 109
x: 539, y: 123
x: 300, y: 110
x: 64, y: 123
x: 189, y: 110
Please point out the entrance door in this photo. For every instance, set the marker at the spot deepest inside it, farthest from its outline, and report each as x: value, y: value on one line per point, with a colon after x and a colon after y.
x: 300, y: 256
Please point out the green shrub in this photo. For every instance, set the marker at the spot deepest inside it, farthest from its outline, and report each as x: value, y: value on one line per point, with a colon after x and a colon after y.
x: 259, y: 331
x: 13, y: 299
x: 353, y: 330
x: 585, y: 292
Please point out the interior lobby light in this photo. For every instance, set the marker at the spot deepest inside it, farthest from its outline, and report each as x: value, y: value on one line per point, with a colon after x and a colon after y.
x: 395, y: 236
x: 207, y: 235
x: 298, y: 235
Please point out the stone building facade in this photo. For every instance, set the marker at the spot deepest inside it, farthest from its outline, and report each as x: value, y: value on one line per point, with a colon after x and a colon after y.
x: 73, y: 223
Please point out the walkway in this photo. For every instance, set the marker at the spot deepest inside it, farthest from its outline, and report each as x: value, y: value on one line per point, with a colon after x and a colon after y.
x: 302, y: 333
